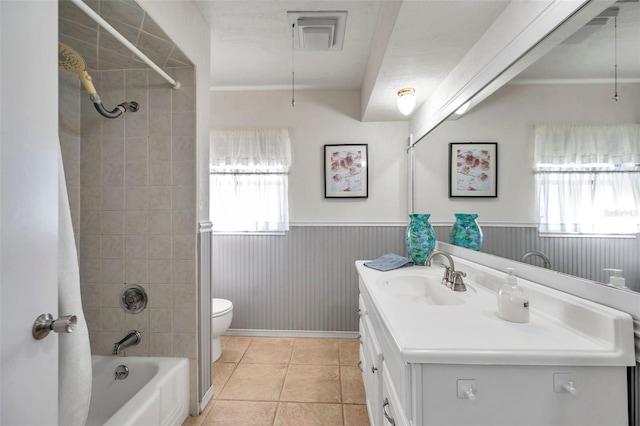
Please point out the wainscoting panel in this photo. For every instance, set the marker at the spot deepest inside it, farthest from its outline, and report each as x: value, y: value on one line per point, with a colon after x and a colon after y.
x: 580, y: 256
x: 306, y: 279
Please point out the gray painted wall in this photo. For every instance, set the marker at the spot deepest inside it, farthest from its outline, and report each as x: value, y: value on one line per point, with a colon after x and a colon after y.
x: 306, y: 279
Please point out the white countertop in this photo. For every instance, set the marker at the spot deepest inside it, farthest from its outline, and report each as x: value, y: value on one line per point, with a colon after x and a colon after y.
x: 570, y: 331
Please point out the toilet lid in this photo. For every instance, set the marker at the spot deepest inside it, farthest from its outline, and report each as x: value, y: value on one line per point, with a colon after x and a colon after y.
x: 221, y: 307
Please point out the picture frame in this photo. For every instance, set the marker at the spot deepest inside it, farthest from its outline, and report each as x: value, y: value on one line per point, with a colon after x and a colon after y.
x: 473, y: 169
x: 346, y: 171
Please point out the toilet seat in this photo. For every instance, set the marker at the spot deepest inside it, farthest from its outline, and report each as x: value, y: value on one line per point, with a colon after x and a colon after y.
x: 220, y: 307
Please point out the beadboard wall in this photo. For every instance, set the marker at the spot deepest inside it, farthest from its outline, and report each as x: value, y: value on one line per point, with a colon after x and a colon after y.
x: 306, y: 280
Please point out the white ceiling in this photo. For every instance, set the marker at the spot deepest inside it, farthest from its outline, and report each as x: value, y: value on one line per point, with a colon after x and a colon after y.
x: 388, y: 45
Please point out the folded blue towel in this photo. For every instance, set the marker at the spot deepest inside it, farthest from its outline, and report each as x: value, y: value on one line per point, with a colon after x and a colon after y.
x: 388, y: 262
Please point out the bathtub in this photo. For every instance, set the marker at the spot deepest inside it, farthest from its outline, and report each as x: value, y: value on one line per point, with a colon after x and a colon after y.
x: 156, y: 391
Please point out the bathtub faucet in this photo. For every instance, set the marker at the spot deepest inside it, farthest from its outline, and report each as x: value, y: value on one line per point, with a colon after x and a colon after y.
x: 131, y: 339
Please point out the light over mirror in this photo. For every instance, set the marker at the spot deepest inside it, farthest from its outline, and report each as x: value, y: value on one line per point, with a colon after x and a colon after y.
x: 574, y: 83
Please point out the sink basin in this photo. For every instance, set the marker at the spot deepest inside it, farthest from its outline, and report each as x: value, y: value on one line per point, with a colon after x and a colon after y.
x: 420, y: 288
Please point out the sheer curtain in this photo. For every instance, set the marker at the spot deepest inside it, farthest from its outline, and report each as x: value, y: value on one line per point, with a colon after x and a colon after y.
x: 249, y: 180
x: 588, y: 178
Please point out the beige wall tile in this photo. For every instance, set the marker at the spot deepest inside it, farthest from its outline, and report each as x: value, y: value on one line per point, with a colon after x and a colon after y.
x: 183, y: 148
x: 136, y: 271
x: 90, y: 222
x: 184, y: 272
x: 136, y: 198
x: 184, y: 320
x: 90, y: 270
x: 184, y: 247
x: 113, y: 198
x: 113, y: 271
x: 112, y: 246
x: 160, y: 271
x: 113, y: 149
x: 136, y: 247
x: 184, y: 222
x: 112, y: 319
x: 139, y: 321
x: 113, y: 222
x: 90, y: 247
x: 161, y: 320
x: 160, y: 222
x: 159, y: 247
x: 135, y: 222
x: 135, y: 173
x: 160, y: 173
x: 111, y: 294
x: 184, y: 345
x: 112, y: 174
x: 135, y: 149
x: 159, y: 198
x: 160, y: 296
x: 160, y: 344
x: 159, y: 148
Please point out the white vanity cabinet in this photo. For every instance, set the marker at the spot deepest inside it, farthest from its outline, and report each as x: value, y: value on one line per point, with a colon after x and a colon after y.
x: 370, y: 364
x: 428, y: 364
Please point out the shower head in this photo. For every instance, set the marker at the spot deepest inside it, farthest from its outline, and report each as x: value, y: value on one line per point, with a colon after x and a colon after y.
x: 70, y: 60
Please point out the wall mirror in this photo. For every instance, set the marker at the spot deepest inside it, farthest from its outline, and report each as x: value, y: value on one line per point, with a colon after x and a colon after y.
x: 577, y: 75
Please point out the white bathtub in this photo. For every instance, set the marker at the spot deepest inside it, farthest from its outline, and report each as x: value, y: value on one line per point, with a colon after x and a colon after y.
x: 156, y: 392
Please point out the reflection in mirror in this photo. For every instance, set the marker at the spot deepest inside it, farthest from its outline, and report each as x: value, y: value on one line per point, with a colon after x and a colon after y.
x: 574, y: 83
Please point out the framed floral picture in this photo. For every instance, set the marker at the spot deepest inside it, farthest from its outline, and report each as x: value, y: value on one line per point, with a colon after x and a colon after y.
x: 473, y: 169
x: 346, y: 173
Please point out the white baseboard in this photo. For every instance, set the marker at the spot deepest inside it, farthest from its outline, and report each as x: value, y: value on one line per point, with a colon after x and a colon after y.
x: 292, y: 333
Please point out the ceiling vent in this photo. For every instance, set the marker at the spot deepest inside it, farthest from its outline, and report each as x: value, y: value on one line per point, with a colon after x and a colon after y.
x: 318, y: 31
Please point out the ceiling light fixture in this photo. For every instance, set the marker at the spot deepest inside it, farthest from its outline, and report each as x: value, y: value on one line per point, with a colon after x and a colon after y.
x: 463, y: 108
x: 406, y: 100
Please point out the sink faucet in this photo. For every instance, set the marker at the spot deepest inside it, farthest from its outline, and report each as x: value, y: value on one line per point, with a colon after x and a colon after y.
x: 545, y: 259
x: 452, y: 278
x: 131, y: 339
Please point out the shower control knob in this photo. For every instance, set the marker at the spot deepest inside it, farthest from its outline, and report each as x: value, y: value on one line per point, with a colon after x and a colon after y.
x: 45, y: 324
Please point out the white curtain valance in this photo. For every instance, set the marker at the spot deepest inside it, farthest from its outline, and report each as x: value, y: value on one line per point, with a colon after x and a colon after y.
x: 258, y: 149
x: 586, y: 144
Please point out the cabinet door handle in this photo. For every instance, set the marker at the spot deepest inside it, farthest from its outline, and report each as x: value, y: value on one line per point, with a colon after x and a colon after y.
x: 360, y: 313
x: 390, y: 419
x: 360, y: 338
x: 374, y: 369
x: 360, y: 366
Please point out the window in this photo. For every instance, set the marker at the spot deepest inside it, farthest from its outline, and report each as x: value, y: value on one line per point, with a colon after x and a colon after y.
x: 588, y: 178
x: 249, y: 180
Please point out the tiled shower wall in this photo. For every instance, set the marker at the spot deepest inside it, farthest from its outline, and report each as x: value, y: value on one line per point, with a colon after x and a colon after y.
x: 135, y: 210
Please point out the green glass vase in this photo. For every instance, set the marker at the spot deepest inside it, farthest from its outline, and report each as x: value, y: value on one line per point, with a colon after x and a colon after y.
x: 420, y: 237
x: 466, y: 232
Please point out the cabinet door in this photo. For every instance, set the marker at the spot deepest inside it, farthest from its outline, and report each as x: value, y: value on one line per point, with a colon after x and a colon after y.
x: 392, y: 414
x: 371, y: 373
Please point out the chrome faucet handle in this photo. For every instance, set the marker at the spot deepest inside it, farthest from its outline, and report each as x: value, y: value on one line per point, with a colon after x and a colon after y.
x: 446, y: 279
x: 457, y: 283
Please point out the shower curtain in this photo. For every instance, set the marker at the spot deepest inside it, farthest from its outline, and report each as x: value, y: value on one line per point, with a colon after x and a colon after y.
x: 74, y: 362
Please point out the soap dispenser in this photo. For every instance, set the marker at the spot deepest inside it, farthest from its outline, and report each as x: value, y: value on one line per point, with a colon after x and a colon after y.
x: 513, y: 302
x: 616, y: 280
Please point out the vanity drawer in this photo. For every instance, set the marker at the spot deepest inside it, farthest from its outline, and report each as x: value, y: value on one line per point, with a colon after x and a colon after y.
x: 392, y: 410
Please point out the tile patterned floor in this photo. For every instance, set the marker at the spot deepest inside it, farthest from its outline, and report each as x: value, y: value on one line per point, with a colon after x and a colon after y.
x: 286, y: 382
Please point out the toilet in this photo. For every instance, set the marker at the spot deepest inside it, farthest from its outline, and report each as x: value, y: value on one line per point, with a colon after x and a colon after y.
x: 222, y: 312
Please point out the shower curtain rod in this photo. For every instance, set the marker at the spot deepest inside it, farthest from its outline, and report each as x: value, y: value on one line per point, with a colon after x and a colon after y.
x: 104, y: 24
